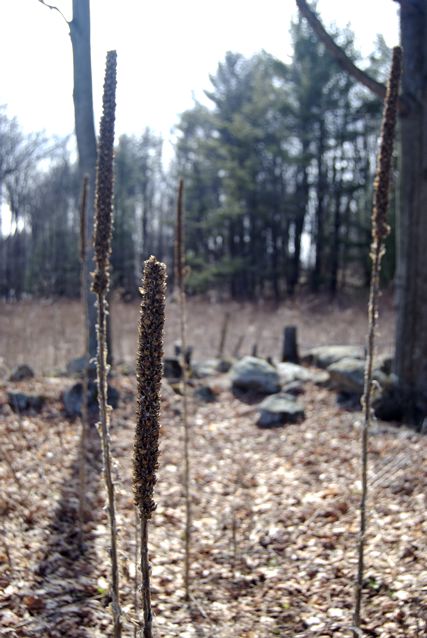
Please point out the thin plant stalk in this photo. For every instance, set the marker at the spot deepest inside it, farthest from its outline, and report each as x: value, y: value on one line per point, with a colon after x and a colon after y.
x: 223, y: 337
x: 180, y: 282
x: 380, y: 231
x: 145, y: 575
x: 136, y: 561
x: 84, y: 413
x: 100, y: 286
x: 149, y: 370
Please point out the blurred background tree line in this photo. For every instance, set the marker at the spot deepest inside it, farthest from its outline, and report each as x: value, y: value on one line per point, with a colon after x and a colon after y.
x: 278, y: 170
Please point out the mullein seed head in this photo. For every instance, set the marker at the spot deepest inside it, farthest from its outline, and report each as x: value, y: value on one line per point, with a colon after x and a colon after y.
x: 380, y: 228
x: 104, y: 179
x: 149, y: 369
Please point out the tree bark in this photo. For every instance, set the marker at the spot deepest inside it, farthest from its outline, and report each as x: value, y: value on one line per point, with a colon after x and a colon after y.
x: 411, y: 337
x: 86, y: 140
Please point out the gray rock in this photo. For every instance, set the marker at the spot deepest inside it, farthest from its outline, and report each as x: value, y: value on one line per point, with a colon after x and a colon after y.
x: 390, y: 405
x: 347, y: 376
x: 203, y: 369
x: 20, y: 402
x: 205, y: 394
x: 21, y: 373
x: 76, y: 366
x: 321, y: 378
x: 72, y: 399
x: 188, y: 352
x: 324, y: 356
x: 278, y: 410
x: 208, y: 368
x: 349, y: 401
x: 172, y: 368
x: 224, y: 365
x: 385, y: 363
x: 289, y: 372
x: 295, y: 388
x: 251, y: 374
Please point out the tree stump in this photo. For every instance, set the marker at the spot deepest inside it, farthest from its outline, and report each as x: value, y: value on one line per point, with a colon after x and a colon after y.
x: 290, y: 345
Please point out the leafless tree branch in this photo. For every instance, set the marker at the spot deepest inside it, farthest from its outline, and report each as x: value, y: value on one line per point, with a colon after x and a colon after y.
x: 341, y: 57
x: 51, y: 6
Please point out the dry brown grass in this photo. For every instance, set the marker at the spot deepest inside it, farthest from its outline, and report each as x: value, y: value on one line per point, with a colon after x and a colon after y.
x: 47, y: 334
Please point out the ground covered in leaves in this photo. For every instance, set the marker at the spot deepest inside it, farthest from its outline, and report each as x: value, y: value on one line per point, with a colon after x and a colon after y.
x: 274, y: 523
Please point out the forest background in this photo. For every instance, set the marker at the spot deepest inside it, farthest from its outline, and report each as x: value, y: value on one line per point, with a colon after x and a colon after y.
x: 278, y: 160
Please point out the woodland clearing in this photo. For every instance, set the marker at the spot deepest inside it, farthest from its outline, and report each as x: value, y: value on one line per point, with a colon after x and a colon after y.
x: 274, y: 519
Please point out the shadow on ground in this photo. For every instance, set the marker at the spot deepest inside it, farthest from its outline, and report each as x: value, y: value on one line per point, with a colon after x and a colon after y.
x: 64, y: 589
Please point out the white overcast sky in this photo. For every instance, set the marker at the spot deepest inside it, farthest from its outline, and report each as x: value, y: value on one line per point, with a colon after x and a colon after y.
x: 166, y: 51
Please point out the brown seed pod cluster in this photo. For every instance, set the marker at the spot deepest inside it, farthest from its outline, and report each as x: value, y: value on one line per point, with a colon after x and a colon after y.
x: 149, y: 369
x: 380, y: 228
x: 105, y: 179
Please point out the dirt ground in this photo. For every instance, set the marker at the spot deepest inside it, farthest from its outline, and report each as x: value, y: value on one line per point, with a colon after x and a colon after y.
x: 274, y: 511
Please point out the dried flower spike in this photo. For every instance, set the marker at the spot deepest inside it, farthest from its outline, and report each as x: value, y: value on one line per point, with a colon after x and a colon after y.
x: 105, y: 179
x: 380, y: 228
x: 101, y: 279
x: 379, y: 233
x: 149, y: 369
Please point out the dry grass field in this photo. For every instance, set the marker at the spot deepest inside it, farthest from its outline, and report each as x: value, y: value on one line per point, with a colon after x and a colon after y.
x: 46, y: 334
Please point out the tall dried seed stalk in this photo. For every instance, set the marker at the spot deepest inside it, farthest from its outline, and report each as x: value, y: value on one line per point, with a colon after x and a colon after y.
x: 180, y: 282
x: 149, y: 368
x: 380, y: 231
x: 101, y: 283
x: 84, y: 413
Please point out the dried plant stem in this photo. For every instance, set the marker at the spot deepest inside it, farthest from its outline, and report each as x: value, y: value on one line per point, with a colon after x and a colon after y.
x: 145, y: 574
x: 223, y: 338
x: 187, y: 468
x: 136, y: 561
x: 101, y: 279
x: 180, y: 277
x: 149, y: 369
x: 379, y: 233
x: 84, y: 413
x: 104, y: 421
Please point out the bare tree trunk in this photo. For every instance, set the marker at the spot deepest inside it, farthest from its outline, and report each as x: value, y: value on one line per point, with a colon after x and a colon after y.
x: 86, y: 141
x: 320, y: 212
x: 411, y: 339
x: 301, y: 203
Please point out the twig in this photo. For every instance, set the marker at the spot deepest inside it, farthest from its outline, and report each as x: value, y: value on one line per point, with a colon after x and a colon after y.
x: 179, y: 278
